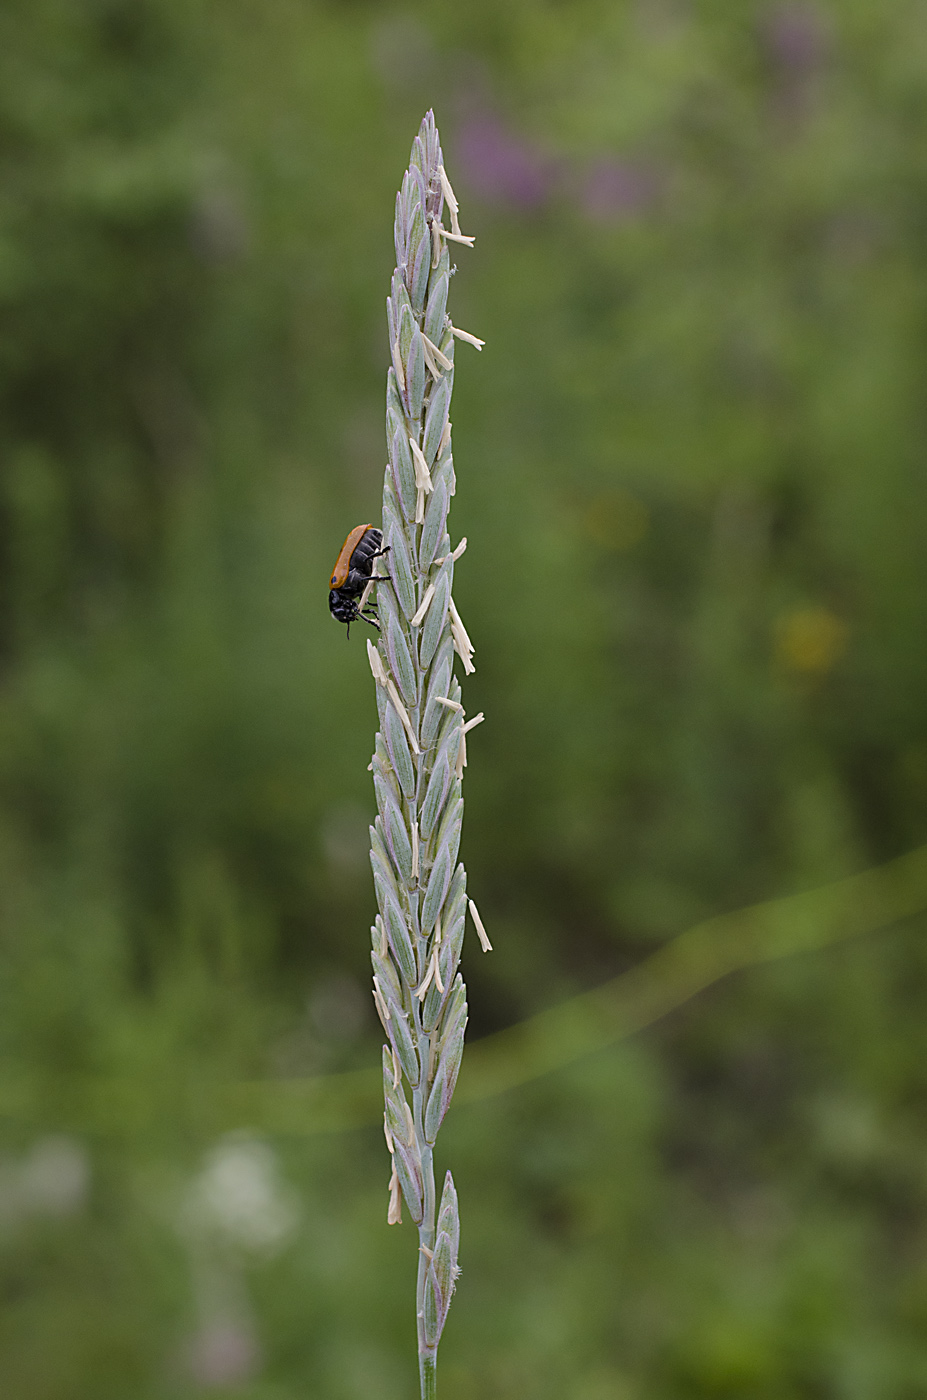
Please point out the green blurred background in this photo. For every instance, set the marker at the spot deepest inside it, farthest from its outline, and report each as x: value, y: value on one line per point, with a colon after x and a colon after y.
x: 690, y: 465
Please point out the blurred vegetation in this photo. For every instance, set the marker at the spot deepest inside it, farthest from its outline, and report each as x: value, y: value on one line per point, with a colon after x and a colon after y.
x: 691, y: 474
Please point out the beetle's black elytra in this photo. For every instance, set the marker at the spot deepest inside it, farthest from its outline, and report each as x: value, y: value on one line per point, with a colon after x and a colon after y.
x: 352, y: 572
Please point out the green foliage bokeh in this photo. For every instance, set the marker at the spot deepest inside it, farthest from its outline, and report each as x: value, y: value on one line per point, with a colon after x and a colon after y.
x: 690, y: 466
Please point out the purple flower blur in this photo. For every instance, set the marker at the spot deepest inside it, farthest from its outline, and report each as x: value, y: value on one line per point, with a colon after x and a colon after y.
x: 796, y: 38
x: 614, y: 190
x: 501, y: 167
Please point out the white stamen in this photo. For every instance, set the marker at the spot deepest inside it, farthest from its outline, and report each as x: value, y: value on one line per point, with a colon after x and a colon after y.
x: 376, y: 664
x: 451, y: 704
x: 450, y: 198
x: 430, y: 361
x: 478, y: 925
x: 409, y: 1123
x: 368, y: 589
x: 462, y: 644
x: 397, y: 366
x: 446, y: 186
x: 423, y: 1249
x: 439, y: 355
x: 463, y: 652
x: 403, y: 713
x: 422, y: 990
x: 455, y: 554
x: 414, y: 849
x: 388, y: 1135
x: 424, y: 606
x: 435, y: 242
x: 422, y: 474
x: 438, y: 931
x: 461, y: 754
x: 382, y: 1009
x: 397, y: 1072
x: 445, y: 439
x: 467, y: 238
x: 420, y: 507
x: 457, y: 618
x: 472, y: 723
x: 394, y: 1213
x: 470, y: 339
x: 438, y: 983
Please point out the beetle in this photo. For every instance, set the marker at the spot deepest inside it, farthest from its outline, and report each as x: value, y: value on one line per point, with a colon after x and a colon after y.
x: 352, y: 573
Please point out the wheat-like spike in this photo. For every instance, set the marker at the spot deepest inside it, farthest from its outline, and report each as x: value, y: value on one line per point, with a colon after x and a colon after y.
x: 421, y: 748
